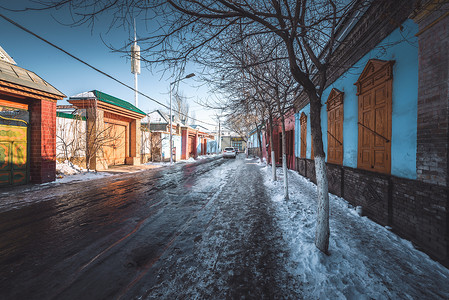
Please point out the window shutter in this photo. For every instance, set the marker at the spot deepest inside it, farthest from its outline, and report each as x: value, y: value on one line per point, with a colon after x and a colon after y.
x: 374, y: 122
x: 335, y: 127
x: 303, y: 122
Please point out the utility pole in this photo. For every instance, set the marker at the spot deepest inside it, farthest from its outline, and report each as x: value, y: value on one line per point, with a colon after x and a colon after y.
x: 135, y: 64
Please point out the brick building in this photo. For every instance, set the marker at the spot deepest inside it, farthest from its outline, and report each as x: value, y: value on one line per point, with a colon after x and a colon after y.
x: 277, y: 142
x: 188, y: 141
x: 27, y: 125
x: 385, y: 121
x: 160, y: 136
x: 113, y: 130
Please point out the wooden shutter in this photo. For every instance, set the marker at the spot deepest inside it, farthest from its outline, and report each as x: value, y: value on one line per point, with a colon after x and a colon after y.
x: 374, y: 122
x: 303, y: 122
x: 335, y: 127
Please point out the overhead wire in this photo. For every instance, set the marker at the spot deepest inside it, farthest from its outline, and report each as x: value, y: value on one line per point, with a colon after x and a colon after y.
x: 96, y: 69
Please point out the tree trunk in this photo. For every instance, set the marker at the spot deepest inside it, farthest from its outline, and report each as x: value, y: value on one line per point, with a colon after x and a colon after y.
x: 259, y: 139
x: 284, y: 160
x: 273, y: 162
x: 322, y: 226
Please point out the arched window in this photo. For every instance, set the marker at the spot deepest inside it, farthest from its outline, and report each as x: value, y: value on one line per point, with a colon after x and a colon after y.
x: 335, y: 127
x: 374, y: 91
x: 303, y: 122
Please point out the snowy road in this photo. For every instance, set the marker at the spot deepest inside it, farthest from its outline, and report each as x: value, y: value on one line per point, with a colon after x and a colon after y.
x: 195, y: 230
x: 215, y: 229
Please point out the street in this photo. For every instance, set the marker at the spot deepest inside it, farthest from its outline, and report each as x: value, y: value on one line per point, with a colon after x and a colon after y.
x: 202, y: 230
x: 213, y: 229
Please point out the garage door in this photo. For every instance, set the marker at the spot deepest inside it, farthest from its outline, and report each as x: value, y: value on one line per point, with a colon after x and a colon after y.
x: 13, y: 149
x: 115, y: 145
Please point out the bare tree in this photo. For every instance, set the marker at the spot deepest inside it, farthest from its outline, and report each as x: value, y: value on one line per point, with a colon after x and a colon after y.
x: 307, y: 31
x: 70, y: 137
x: 156, y: 141
x: 145, y: 140
x: 181, y: 107
x: 99, y: 136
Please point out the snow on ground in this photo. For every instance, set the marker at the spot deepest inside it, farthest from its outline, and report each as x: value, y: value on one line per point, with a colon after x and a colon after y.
x: 366, y: 260
x: 69, y: 172
x: 191, y: 159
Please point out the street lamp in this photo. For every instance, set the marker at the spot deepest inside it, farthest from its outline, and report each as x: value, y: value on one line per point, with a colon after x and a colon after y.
x: 171, y: 139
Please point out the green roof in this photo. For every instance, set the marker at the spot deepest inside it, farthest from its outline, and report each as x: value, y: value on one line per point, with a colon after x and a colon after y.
x: 116, y: 101
x: 69, y: 116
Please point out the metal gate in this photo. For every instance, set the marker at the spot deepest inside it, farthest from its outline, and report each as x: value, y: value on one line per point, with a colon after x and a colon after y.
x: 13, y: 151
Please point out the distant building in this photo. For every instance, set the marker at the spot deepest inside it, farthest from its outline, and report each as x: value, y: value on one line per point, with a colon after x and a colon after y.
x: 188, y: 141
x: 232, y: 139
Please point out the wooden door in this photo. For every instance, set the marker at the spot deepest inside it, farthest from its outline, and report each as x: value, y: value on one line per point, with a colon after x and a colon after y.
x: 192, y: 146
x: 115, y: 146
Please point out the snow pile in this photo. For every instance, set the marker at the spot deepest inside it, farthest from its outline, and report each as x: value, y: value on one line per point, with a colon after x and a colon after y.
x: 69, y: 172
x: 366, y: 260
x: 207, y: 156
x: 67, y: 168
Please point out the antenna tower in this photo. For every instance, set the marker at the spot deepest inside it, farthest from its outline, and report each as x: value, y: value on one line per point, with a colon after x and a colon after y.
x: 135, y: 63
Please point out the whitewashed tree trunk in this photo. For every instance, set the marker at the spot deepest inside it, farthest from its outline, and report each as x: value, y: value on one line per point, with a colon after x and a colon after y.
x: 273, y: 160
x: 273, y: 166
x: 284, y: 160
x: 285, y: 171
x: 322, y: 225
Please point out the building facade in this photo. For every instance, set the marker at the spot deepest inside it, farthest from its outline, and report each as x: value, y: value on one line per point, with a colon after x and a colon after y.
x: 233, y: 140
x: 27, y: 125
x: 112, y: 130
x: 384, y: 120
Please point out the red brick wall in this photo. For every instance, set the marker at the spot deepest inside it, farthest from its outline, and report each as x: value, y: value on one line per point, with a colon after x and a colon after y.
x: 432, y: 143
x: 290, y: 131
x: 184, y: 143
x: 195, y: 151
x: 43, y: 141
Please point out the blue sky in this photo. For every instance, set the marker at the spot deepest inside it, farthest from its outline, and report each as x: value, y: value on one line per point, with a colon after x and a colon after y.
x: 70, y: 76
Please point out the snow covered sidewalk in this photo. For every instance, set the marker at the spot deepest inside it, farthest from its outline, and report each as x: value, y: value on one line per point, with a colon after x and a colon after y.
x: 366, y: 260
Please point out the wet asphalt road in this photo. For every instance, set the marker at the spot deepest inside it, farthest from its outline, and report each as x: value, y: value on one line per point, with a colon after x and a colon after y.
x: 204, y: 230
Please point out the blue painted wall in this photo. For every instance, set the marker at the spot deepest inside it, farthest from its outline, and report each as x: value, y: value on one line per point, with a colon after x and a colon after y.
x: 198, y: 147
x: 305, y: 110
x: 297, y: 135
x: 212, y: 146
x: 402, y: 47
x: 254, y: 140
x: 165, y: 145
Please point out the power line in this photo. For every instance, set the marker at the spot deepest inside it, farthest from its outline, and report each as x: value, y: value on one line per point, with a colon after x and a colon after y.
x: 94, y: 68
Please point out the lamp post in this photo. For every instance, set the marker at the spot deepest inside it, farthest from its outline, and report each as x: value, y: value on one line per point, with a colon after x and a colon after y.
x: 171, y: 136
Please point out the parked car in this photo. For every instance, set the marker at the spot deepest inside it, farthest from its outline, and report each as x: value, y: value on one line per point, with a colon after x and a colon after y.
x: 229, y: 152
